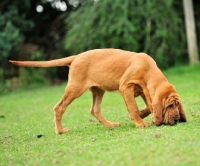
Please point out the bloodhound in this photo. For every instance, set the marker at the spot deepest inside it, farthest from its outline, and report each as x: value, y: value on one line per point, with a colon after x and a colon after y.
x: 129, y: 73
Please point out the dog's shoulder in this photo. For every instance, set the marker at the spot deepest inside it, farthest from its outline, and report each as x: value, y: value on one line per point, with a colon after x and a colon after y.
x: 146, y: 58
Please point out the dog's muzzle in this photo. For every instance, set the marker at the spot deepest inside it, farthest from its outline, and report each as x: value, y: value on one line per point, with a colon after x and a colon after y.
x: 176, y: 120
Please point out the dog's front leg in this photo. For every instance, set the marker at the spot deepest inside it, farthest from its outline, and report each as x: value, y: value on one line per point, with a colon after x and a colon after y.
x: 145, y: 112
x: 127, y: 91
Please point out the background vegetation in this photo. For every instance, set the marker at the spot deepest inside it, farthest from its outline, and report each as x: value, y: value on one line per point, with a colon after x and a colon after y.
x: 27, y: 114
x: 49, y: 29
x: 137, y: 25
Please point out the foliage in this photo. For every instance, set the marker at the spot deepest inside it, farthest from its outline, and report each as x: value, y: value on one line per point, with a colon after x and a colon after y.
x: 31, y: 76
x: 26, y: 114
x: 28, y: 78
x: 11, y: 35
x: 28, y: 34
x: 12, y: 32
x: 155, y: 27
x: 9, y: 40
x: 139, y: 25
x: 12, y: 26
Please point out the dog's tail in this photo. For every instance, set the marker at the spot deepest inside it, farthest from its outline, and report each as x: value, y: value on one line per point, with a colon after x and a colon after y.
x: 51, y: 63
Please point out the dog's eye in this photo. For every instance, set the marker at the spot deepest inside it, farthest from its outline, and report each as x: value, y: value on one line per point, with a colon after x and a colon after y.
x: 170, y: 106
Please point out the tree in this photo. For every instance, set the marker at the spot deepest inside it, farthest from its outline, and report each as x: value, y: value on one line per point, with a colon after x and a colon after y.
x: 139, y: 25
x: 191, y: 32
x: 28, y: 33
x: 12, y: 32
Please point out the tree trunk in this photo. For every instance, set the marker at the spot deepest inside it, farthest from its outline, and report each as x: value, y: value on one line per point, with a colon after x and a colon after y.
x: 191, y: 33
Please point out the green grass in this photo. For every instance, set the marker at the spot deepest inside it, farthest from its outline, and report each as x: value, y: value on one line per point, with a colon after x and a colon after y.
x: 26, y: 113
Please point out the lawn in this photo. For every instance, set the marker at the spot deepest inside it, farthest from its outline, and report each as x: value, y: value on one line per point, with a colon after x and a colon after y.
x: 27, y: 134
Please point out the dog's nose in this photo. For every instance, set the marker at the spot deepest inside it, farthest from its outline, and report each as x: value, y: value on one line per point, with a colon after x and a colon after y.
x: 176, y: 119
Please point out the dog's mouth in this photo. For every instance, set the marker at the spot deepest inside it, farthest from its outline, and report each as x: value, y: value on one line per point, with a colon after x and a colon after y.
x: 172, y: 121
x: 167, y: 121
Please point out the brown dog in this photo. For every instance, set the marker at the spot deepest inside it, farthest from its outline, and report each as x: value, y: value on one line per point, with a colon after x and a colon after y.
x: 129, y: 73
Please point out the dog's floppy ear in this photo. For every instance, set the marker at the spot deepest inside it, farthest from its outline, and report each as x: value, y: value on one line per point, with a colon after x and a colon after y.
x: 183, y: 117
x: 157, y: 112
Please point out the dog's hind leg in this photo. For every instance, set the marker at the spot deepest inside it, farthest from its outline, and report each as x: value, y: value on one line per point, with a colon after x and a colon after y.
x: 71, y: 92
x: 97, y: 95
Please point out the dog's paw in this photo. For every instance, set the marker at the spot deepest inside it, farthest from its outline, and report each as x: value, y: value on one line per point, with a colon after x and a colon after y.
x: 112, y: 124
x: 61, y: 131
x: 116, y: 124
x: 143, y: 124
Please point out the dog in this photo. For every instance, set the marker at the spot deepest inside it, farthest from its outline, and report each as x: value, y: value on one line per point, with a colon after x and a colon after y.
x: 129, y: 73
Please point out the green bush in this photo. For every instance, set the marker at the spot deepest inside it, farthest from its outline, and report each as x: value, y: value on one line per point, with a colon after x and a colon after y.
x: 31, y: 76
x: 13, y: 26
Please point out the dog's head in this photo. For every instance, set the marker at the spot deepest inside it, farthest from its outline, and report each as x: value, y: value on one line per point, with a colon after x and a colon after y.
x: 168, y: 110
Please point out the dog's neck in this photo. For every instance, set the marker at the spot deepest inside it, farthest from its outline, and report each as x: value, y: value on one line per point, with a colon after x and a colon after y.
x: 156, y: 84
